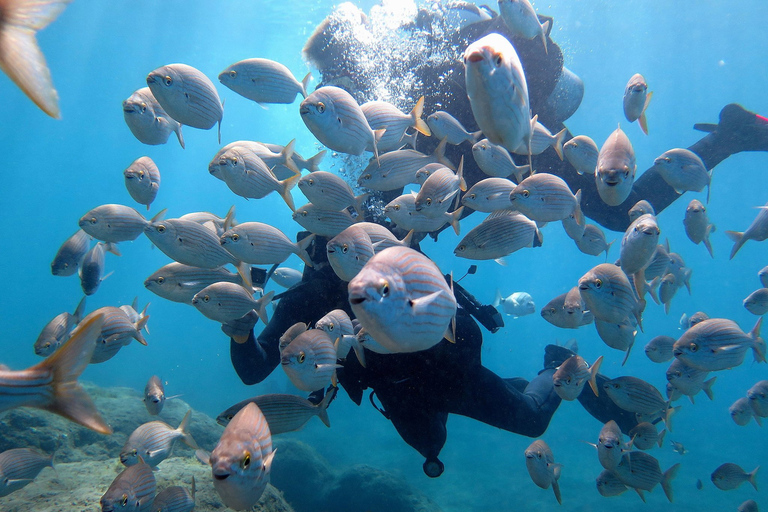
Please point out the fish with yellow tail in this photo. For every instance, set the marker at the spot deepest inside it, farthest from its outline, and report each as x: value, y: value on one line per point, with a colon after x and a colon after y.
x: 541, y: 465
x: 636, y: 100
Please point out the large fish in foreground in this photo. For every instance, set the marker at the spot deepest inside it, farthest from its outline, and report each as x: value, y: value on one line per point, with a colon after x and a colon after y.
x: 616, y: 166
x: 402, y: 300
x: 498, y: 92
x: 52, y: 384
x: 20, y: 57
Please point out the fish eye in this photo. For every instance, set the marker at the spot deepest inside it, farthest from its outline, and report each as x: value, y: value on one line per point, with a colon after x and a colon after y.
x: 397, y: 207
x: 344, y: 249
x: 568, y: 380
x: 428, y: 202
x: 235, y: 237
x: 598, y: 283
x: 206, y: 298
x: 93, y: 220
x: 304, y: 213
x: 160, y: 280
x: 124, y: 500
x: 694, y: 347
x: 526, y: 193
x: 497, y: 60
x: 302, y: 356
x: 246, y: 460
x: 472, y: 196
x: 229, y: 417
x: 384, y: 289
x: 161, y: 229
x: 321, y: 107
x: 143, y: 107
x: 461, y: 248
x: 330, y: 327
x: 233, y: 74
x: 552, y: 310
x: 168, y: 81
x: 311, y: 182
x: 233, y: 159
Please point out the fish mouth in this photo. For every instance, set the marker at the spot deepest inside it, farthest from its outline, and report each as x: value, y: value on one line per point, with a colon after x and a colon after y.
x: 677, y: 352
x: 151, y: 79
x: 583, y: 286
x: 221, y: 476
x: 304, y: 111
x: 474, y: 57
x: 285, y: 360
x: 356, y: 301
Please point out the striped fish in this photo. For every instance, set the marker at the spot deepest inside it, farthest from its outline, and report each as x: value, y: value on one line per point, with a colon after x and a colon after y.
x: 581, y: 152
x: 658, y: 265
x: 638, y: 244
x: 402, y: 211
x: 496, y: 161
x: 244, y: 145
x: 133, y: 489
x: 261, y: 244
x: 264, y: 81
x: 593, y: 242
x: 608, y: 294
x: 619, y: 336
x: 718, y: 344
x: 499, y: 235
x: 248, y: 176
x: 676, y: 266
x: 284, y: 413
x: 636, y: 100
x: 642, y: 472
x: 757, y: 231
x: 282, y: 160
x: 209, y: 219
x: 52, y: 384
x: 309, y: 360
x: 439, y: 190
x: 311, y: 164
x: 683, y: 170
x: 291, y: 333
x: 758, y: 398
x: 175, y: 499
x: 327, y: 190
x: 225, y: 302
x: 349, y: 251
x: 697, y: 225
x: 142, y: 179
x: 489, y: 195
x: 396, y: 169
x: 610, y: 445
x: 572, y: 374
x: 57, y: 331
x: 187, y: 95
x: 69, y: 255
x: 19, y: 467
x: 381, y: 237
x: 338, y: 325
x: 541, y: 466
x: 152, y: 442
x: 444, y: 126
x: 689, y: 380
x: 286, y: 276
x: 147, y: 120
x: 741, y: 411
x: 644, y: 436
x: 497, y: 91
x: 729, y: 476
x: 328, y: 223
x: 541, y: 139
x: 337, y: 121
x: 402, y: 300
x: 154, y: 395
x: 667, y: 290
x: 635, y: 395
x: 116, y: 332
x: 384, y: 115
x: 608, y: 484
x: 189, y: 243
x: 659, y: 349
x: 574, y: 226
x: 113, y: 223
x: 555, y: 313
x: 92, y: 268
x: 242, y: 459
x: 522, y: 21
x: 133, y: 314
x: 640, y: 208
x: 615, y: 171
x: 545, y: 197
x: 179, y: 283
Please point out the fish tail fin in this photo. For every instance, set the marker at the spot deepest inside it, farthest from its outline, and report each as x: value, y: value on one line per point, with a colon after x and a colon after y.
x: 419, y: 124
x: 322, y: 408
x: 229, y: 219
x: 737, y: 237
x: 194, y: 488
x: 135, y: 303
x: 666, y: 481
x: 652, y: 287
x: 753, y: 477
x: 578, y: 214
x: 111, y: 247
x: 244, y: 270
x: 544, y: 31
x: 66, y: 364
x: 497, y: 300
x: 141, y: 323
x: 301, y: 249
x: 377, y: 135
x: 286, y: 157
x: 179, y: 135
x: 558, y: 141
x: 460, y: 175
x: 261, y: 306
x: 608, y: 248
x: 440, y: 154
x: 304, y: 82
x: 758, y: 346
x: 707, y: 388
x: 640, y: 493
x: 454, y: 219
x: 186, y: 437
x: 661, y: 437
x: 706, y: 241
x: 475, y: 136
x: 593, y: 375
x: 313, y: 164
x: 359, y: 352
x: 409, y: 139
x: 556, y: 489
x: 78, y: 314
x: 642, y: 120
x: 407, y: 240
x: 285, y: 190
x: 359, y: 200
x: 159, y: 215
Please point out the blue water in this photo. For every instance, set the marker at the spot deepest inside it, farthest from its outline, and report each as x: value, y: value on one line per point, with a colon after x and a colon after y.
x: 696, y: 59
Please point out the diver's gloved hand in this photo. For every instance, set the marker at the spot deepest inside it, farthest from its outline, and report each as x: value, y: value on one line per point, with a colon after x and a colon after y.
x: 242, y: 327
x: 739, y: 129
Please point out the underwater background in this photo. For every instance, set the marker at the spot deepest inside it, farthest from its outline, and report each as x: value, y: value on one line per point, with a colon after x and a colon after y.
x: 696, y: 57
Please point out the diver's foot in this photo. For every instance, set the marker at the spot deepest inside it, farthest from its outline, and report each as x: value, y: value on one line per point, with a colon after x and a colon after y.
x: 739, y: 129
x: 433, y: 468
x: 555, y: 355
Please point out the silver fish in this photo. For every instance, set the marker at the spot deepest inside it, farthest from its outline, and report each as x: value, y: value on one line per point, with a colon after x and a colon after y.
x: 636, y: 100
x: 697, y: 225
x: 175, y: 499
x: 117, y: 331
x: 489, y: 195
x: 242, y: 460
x: 635, y: 395
x: 640, y: 208
x: 541, y: 139
x: 748, y: 506
x: 718, y: 344
x: 496, y: 161
x: 261, y: 244
x: 616, y: 166
x: 678, y: 447
x: 689, y: 380
x: 658, y: 265
x: 741, y: 412
x: 132, y: 490
x: 676, y: 266
x: 582, y: 152
x: 757, y: 231
x: 319, y: 221
x: 283, y: 161
x: 401, y: 299
x: 439, y: 191
x: 639, y: 245
x: 610, y: 445
x: 187, y: 95
x: 545, y: 197
x: 309, y: 360
x: 264, y: 81
x: 69, y: 255
x: 758, y: 398
x: 619, y: 336
x: 337, y: 121
x: 516, y: 305
x: 349, y: 251
x: 402, y: 211
x: 329, y: 191
x: 208, y: 218
x: 608, y: 484
x: 574, y: 225
x: 113, y: 223
x: 642, y: 472
x: 336, y: 323
x: 179, y: 283
x: 683, y: 170
x: 225, y: 302
x: 284, y: 413
x: 757, y: 302
x: 153, y: 442
x: 556, y: 313
x: 57, y: 331
x: 286, y: 277
x: 659, y: 349
x: 593, y: 242
x: 92, y: 268
x: 498, y: 92
x: 384, y: 115
x: 730, y: 476
x: 572, y: 374
x: 499, y: 235
x: 147, y: 120
x: 398, y: 168
x: 52, y: 384
x: 644, y: 436
x: 189, y: 243
x: 381, y: 237
x: 463, y: 14
x: 521, y: 19
x: 19, y: 467
x: 142, y: 179
x: 444, y: 126
x: 609, y: 294
x: 541, y: 466
x: 154, y: 395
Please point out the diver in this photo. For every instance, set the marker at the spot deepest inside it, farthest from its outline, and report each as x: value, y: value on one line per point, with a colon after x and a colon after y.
x: 417, y: 390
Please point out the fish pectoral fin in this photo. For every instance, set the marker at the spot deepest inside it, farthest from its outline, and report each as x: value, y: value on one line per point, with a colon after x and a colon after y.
x: 421, y: 305
x: 203, y: 456
x: 16, y: 481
